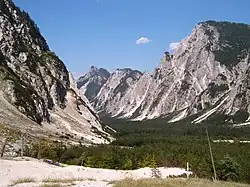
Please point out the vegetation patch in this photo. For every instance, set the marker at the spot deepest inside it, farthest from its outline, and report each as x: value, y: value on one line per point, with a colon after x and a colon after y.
x: 58, y: 180
x: 214, y: 89
x: 51, y: 185
x: 23, y: 180
x: 55, y: 60
x: 175, y: 183
x: 156, y: 143
x: 46, y: 149
x: 234, y: 42
x: 12, y: 134
x: 100, y: 133
x: 240, y: 116
x: 185, y: 85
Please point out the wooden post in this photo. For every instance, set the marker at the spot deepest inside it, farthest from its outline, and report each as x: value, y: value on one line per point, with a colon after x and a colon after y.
x: 211, y: 154
x: 3, y: 147
x: 23, y: 133
x: 38, y: 152
x: 22, y: 146
x: 82, y: 162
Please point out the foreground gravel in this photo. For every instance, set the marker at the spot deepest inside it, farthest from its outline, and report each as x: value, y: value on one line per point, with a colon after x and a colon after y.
x: 39, y: 171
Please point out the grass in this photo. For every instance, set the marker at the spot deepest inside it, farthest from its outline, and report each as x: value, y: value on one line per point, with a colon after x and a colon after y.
x: 70, y: 180
x: 51, y: 185
x: 22, y: 180
x: 175, y: 183
x: 11, y: 134
x: 51, y: 180
x: 58, y: 182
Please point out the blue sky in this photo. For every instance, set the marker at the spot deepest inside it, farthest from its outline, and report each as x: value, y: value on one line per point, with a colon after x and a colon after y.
x: 103, y: 33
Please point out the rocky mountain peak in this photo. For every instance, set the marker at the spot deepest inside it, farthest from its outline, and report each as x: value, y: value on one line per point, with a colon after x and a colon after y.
x: 128, y: 72
x: 23, y: 23
x: 91, y: 82
x: 207, y: 72
x: 98, y: 71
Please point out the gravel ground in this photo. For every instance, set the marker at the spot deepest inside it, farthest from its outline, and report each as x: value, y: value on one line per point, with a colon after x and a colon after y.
x: 12, y: 170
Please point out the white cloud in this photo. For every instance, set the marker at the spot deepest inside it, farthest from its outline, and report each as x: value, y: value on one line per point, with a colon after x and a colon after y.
x: 173, y: 46
x: 143, y: 40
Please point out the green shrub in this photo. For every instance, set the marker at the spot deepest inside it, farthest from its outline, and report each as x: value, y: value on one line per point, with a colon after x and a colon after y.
x: 228, y: 169
x: 240, y: 116
x: 46, y: 149
x: 22, y: 180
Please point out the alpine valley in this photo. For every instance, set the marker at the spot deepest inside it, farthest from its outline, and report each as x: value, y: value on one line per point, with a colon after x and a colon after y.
x: 190, y: 117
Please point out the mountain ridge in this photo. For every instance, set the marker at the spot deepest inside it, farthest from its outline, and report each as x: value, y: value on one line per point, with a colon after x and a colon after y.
x: 206, y: 67
x: 38, y: 94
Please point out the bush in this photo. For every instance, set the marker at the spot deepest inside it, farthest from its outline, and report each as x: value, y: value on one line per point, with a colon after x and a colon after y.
x: 46, y: 149
x: 240, y: 116
x: 228, y: 169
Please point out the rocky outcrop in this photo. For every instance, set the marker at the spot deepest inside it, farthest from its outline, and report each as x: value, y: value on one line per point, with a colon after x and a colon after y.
x: 36, y: 87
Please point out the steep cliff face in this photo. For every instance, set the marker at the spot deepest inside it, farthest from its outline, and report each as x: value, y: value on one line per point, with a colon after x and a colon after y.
x: 109, y: 98
x: 91, y: 83
x: 223, y: 76
x: 176, y: 83
x: 208, y: 73
x: 35, y: 83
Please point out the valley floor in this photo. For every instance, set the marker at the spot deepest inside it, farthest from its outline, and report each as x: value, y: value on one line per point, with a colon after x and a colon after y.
x: 32, y: 172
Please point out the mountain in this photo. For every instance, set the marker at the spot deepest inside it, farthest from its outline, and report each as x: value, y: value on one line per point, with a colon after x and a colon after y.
x: 207, y: 74
x: 38, y: 95
x: 107, y: 91
x: 91, y: 83
x: 110, y: 96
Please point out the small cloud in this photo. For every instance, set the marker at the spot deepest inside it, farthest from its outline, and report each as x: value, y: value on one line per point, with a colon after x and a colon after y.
x: 173, y: 46
x: 143, y: 40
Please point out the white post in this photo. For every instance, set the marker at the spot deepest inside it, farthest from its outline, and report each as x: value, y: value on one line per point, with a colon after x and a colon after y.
x: 187, y: 171
x: 22, y: 146
x: 82, y: 162
x: 211, y: 154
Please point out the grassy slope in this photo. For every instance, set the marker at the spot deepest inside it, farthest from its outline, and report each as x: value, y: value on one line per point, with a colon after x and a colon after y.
x: 175, y: 183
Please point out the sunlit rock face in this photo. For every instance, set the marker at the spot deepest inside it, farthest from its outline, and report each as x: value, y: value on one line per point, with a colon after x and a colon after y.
x: 35, y: 83
x: 208, y: 69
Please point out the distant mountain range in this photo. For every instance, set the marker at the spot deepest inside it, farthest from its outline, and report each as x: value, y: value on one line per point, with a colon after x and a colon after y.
x: 208, y: 74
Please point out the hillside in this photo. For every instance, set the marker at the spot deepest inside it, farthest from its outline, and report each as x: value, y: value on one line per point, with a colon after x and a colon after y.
x: 38, y: 95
